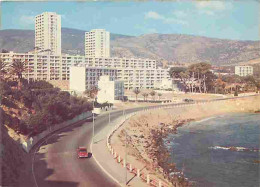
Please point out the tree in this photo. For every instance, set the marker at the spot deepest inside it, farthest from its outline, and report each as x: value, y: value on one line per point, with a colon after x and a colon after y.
x: 200, y: 71
x: 159, y: 95
x: 3, y: 71
x: 18, y: 67
x: 152, y: 93
x: 175, y: 71
x: 251, y: 82
x: 5, y: 51
x: 219, y: 86
x: 92, y: 92
x: 184, y: 79
x: 136, y: 92
x: 145, y: 95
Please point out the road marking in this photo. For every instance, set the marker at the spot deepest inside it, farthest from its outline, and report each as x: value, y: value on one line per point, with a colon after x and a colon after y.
x: 101, y: 167
x: 44, y: 140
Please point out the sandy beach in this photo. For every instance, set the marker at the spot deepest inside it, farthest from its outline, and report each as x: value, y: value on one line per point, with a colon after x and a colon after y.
x: 141, y: 128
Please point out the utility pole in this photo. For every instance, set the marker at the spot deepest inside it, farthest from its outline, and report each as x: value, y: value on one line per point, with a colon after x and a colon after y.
x: 125, y: 157
x: 109, y: 117
x: 93, y: 116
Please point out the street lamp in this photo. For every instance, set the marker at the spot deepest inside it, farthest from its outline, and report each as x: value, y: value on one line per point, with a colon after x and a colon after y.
x: 122, y: 96
x: 93, y: 116
x: 125, y: 157
x: 109, y: 117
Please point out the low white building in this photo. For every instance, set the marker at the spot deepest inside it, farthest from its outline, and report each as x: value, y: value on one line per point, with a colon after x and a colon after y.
x: 109, y: 90
x: 83, y: 78
x: 164, y: 84
x: 244, y: 70
x: 78, y: 79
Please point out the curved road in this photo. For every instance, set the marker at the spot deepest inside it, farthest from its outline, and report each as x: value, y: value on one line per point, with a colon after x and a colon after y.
x: 55, y: 162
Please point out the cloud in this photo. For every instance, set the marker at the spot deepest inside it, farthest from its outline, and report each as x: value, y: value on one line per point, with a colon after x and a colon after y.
x: 26, y: 20
x: 153, y: 15
x: 212, y: 7
x: 175, y: 21
x: 167, y: 20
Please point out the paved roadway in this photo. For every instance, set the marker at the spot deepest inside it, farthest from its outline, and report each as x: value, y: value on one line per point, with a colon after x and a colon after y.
x: 56, y: 164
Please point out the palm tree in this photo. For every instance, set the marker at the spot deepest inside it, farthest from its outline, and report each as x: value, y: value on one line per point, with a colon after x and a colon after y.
x: 145, y: 95
x: 152, y: 93
x: 136, y: 91
x: 3, y: 71
x: 18, y: 67
x: 159, y: 95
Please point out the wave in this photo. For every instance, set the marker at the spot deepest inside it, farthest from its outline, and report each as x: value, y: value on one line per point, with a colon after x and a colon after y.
x: 233, y: 148
x: 206, y: 119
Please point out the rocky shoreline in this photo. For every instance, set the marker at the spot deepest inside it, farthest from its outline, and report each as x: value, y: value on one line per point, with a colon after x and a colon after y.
x: 147, y: 132
x: 160, y: 155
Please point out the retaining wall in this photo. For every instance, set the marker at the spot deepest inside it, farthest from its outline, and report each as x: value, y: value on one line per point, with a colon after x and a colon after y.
x: 27, y: 145
x: 146, y: 177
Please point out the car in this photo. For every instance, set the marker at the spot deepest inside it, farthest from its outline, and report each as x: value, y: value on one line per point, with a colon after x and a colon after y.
x: 188, y: 100
x: 82, y: 152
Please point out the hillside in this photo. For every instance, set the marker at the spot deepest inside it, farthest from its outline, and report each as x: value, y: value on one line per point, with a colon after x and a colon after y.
x: 163, y: 47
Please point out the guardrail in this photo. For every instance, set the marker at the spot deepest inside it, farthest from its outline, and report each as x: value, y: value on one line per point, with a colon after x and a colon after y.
x: 146, y: 177
x: 27, y: 145
x: 129, y: 166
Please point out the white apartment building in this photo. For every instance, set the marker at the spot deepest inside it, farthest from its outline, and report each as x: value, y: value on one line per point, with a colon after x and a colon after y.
x: 120, y: 62
x: 83, y: 78
x: 244, y: 70
x: 97, y: 43
x: 44, y: 66
x: 48, y: 32
x: 109, y: 90
x: 136, y: 73
x: 141, y: 78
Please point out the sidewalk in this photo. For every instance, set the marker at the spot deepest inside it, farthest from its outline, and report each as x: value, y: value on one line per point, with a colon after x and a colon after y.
x: 108, y: 164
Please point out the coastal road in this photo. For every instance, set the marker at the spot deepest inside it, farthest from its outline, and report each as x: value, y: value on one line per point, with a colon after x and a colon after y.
x: 55, y: 161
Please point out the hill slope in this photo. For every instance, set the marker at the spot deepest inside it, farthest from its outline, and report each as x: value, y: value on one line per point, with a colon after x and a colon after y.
x: 168, y: 47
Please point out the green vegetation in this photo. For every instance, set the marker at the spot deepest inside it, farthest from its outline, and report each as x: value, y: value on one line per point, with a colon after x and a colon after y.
x: 136, y: 92
x: 145, y: 95
x: 199, y: 78
x: 153, y: 93
x: 31, y: 107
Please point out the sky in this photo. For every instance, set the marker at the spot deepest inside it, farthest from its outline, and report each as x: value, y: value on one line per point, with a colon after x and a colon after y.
x: 238, y: 20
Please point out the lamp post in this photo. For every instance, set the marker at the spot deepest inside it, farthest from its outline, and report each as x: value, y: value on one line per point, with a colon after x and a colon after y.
x: 93, y: 116
x: 109, y: 117
x: 125, y: 157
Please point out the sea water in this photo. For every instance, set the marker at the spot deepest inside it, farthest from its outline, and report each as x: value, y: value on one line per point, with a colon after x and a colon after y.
x: 195, y: 149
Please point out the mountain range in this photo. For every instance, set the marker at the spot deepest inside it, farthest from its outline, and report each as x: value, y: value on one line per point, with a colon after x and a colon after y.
x: 165, y: 48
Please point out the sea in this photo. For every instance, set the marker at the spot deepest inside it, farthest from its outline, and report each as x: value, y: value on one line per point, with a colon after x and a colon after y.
x: 200, y: 150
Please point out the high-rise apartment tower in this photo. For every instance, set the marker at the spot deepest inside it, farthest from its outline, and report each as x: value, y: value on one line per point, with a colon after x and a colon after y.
x: 97, y: 43
x: 48, y: 32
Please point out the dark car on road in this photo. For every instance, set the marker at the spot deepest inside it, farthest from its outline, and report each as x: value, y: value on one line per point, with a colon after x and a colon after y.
x: 188, y: 100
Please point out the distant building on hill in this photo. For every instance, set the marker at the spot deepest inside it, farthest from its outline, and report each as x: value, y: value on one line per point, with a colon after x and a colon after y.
x: 244, y: 70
